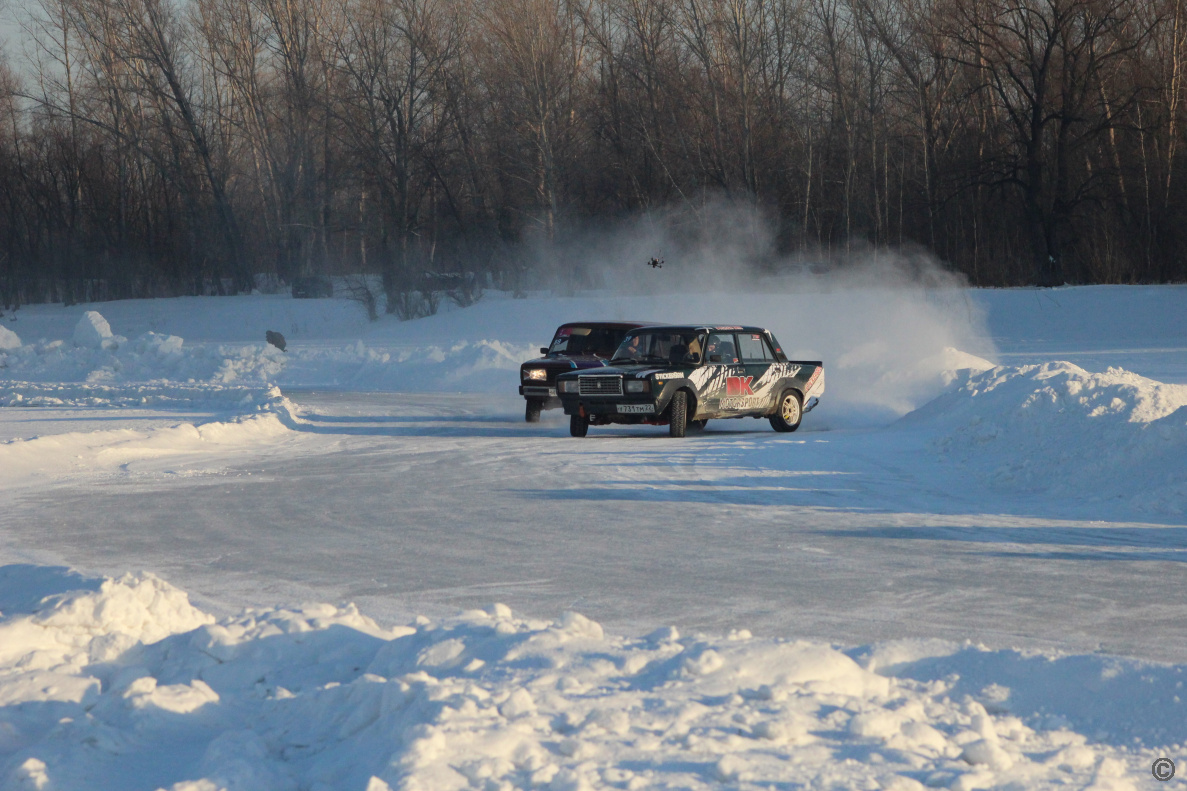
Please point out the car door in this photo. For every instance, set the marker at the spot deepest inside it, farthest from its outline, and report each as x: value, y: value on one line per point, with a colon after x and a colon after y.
x: 757, y: 359
x: 711, y: 379
x: 726, y: 375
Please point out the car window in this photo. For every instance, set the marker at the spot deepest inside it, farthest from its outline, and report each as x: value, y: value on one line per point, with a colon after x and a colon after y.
x: 601, y: 341
x: 656, y: 347
x: 721, y: 348
x: 753, y: 348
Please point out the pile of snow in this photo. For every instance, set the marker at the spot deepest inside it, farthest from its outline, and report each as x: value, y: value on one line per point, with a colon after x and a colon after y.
x: 257, y: 418
x: 93, y: 332
x: 108, y: 363
x: 158, y: 395
x: 8, y: 340
x: 149, y: 357
x: 130, y: 686
x: 1058, y: 429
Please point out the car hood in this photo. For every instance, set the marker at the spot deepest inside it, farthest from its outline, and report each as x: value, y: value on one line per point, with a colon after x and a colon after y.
x: 641, y: 371
x: 563, y: 362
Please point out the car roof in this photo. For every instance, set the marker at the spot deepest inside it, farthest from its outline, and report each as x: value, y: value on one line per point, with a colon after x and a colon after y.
x: 627, y: 325
x: 707, y: 328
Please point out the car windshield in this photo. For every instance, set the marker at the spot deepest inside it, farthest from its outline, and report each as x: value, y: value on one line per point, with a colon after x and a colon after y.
x: 600, y: 341
x: 658, y: 346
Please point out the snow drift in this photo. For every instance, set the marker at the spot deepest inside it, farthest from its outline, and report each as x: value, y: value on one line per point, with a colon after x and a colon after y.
x: 256, y: 418
x: 1057, y: 429
x: 163, y: 370
x: 93, y: 332
x: 149, y: 357
x: 8, y: 339
x: 125, y: 684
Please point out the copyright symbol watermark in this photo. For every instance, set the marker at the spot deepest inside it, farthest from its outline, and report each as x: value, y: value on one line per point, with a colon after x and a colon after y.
x: 1163, y: 769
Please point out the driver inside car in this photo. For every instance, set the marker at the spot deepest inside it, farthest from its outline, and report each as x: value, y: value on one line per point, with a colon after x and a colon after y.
x: 722, y: 348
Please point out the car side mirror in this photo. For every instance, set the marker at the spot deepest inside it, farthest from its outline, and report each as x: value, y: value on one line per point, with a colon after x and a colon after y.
x: 543, y: 350
x: 692, y: 357
x: 714, y: 358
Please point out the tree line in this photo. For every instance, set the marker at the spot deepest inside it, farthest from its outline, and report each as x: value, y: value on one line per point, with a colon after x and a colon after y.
x: 160, y: 147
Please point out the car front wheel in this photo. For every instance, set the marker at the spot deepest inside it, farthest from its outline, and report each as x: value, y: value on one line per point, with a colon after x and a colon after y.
x: 578, y: 425
x: 791, y: 410
x: 532, y: 413
x: 678, y: 414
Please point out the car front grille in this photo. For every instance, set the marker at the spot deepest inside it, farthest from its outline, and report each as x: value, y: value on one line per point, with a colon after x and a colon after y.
x: 599, y: 385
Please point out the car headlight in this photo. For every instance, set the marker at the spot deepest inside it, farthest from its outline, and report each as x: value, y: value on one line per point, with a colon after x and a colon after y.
x: 567, y: 386
x: 535, y: 374
x: 637, y: 386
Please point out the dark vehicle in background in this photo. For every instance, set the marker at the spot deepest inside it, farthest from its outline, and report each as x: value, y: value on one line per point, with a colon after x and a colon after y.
x: 575, y: 346
x: 684, y: 375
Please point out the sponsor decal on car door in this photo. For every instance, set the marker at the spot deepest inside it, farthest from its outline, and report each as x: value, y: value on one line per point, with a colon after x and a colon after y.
x: 758, y: 360
x: 720, y: 375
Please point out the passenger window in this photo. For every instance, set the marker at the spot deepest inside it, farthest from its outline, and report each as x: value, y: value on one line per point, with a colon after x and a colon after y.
x: 720, y: 349
x: 754, y: 348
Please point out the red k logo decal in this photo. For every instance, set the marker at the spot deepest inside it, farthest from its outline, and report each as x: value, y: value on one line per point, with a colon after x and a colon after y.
x: 738, y: 385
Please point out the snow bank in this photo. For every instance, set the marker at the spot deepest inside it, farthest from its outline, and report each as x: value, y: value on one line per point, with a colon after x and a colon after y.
x: 93, y: 332
x: 101, y: 369
x: 1056, y: 428
x: 131, y: 686
x: 259, y: 418
x: 149, y: 357
x: 8, y: 340
x: 159, y: 394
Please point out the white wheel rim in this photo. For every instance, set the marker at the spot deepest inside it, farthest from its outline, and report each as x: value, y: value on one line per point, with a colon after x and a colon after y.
x: 791, y: 410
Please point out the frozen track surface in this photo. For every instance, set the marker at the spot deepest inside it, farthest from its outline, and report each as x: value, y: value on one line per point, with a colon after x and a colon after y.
x: 429, y: 503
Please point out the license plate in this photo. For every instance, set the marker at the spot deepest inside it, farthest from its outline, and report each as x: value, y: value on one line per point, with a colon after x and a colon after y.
x: 635, y: 409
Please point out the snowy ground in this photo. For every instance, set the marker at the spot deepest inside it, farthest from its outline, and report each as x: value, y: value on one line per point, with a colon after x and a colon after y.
x: 991, y: 587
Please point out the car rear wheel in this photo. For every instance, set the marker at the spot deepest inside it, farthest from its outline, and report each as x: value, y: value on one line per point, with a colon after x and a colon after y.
x: 678, y: 414
x: 578, y: 425
x: 532, y: 413
x: 791, y: 410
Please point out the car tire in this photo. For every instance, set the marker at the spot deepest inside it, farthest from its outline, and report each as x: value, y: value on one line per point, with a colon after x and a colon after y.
x: 578, y: 425
x: 678, y: 414
x: 697, y: 425
x: 532, y: 412
x: 789, y: 413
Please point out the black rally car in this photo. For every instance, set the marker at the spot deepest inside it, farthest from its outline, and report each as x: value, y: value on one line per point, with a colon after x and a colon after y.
x: 685, y: 375
x: 577, y: 345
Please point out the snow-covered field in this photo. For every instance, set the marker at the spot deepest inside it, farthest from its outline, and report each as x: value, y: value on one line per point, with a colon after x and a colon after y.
x: 965, y: 571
